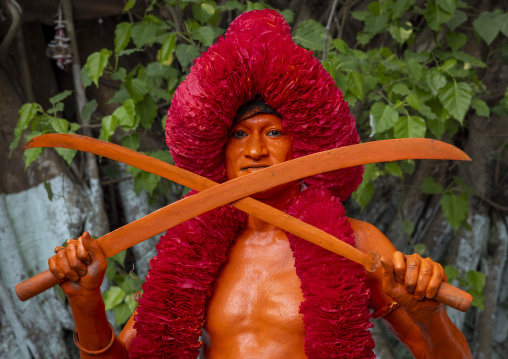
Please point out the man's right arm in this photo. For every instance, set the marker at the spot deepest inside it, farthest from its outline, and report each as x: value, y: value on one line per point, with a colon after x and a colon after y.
x: 84, y: 264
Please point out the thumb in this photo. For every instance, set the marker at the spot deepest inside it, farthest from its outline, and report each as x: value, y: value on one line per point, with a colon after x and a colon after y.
x: 91, y: 246
x: 391, y: 287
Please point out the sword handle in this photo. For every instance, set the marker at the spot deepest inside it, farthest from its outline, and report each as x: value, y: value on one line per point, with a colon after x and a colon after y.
x: 39, y: 283
x: 453, y: 297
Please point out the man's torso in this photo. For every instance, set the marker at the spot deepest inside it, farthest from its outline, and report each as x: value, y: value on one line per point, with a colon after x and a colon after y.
x: 254, y: 308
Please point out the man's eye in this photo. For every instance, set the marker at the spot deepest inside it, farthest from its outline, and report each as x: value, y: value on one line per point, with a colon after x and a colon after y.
x: 274, y: 133
x: 238, y: 134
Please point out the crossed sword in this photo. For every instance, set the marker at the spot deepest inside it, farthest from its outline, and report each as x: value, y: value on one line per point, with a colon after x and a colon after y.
x: 236, y: 192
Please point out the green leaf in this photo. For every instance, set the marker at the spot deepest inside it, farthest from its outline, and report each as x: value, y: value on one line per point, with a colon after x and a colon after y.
x: 399, y: 7
x: 136, y: 88
x: 113, y: 297
x: 456, y: 40
x: 288, y: 15
x: 129, y: 5
x: 382, y: 117
x: 478, y: 299
x: 74, y: 127
x: 408, y: 227
x: 120, y: 74
x: 448, y: 6
x: 410, y: 127
x: 420, y: 248
x: 60, y: 97
x: 430, y: 186
x: 375, y: 24
x: 502, y: 21
x: 147, y: 111
x: 205, y: 35
x: 96, y: 63
x: 60, y: 125
x: 122, y: 35
x: 393, y: 169
x: 458, y: 18
x: 162, y: 155
x: 355, y: 84
x: 120, y: 96
x: 408, y: 166
x: 456, y: 98
x: 454, y: 209
x: 109, y: 125
x: 168, y: 47
x: 435, y: 16
x: 451, y: 272
x: 476, y: 280
x: 401, y: 89
x: 486, y: 26
x: 49, y: 190
x: 150, y: 182
x: 435, y: 80
x: 232, y: 5
x: 66, y: 154
x: 310, y: 34
x: 119, y: 257
x: 415, y: 70
x: 480, y: 107
x: 85, y: 79
x: 31, y: 155
x: 203, y: 12
x: 363, y: 194
x: 401, y: 33
x: 463, y: 185
x: 122, y: 313
x: 131, y: 141
x: 27, y: 112
x: 126, y: 115
x: 143, y: 33
x: 131, y: 303
x: 186, y: 54
x: 88, y: 109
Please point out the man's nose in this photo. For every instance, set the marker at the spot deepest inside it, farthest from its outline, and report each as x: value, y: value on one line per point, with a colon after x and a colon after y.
x: 256, y: 148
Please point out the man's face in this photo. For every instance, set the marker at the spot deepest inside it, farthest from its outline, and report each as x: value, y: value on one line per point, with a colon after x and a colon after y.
x: 256, y: 143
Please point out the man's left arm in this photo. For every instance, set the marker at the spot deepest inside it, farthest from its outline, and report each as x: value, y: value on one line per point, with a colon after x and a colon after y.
x: 419, y: 323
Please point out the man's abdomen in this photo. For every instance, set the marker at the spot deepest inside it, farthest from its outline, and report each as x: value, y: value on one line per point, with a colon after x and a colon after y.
x: 254, y: 308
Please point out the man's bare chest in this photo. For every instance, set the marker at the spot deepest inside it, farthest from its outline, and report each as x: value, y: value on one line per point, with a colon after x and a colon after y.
x: 257, y: 293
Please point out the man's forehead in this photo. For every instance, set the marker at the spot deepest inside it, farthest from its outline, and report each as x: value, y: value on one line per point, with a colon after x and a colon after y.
x: 252, y: 108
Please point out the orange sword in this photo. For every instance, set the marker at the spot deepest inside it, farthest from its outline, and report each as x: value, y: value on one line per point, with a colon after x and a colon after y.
x: 169, y: 216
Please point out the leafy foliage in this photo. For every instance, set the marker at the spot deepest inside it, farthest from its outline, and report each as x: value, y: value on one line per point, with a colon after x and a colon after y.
x: 399, y: 81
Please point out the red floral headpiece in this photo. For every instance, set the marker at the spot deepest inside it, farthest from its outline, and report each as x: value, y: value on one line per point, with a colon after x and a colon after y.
x: 257, y: 56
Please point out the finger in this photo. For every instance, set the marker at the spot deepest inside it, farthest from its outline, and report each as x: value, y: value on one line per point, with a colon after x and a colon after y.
x: 95, y: 251
x: 438, y: 276
x: 399, y: 265
x: 63, y: 264
x: 54, y: 268
x: 424, y: 277
x: 412, y: 270
x: 388, y: 275
x: 82, y: 253
x: 76, y: 264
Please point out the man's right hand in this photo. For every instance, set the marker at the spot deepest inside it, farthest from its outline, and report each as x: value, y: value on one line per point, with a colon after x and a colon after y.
x: 83, y: 263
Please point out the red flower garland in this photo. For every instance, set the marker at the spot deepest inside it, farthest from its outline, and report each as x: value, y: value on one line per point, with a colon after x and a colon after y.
x: 256, y: 57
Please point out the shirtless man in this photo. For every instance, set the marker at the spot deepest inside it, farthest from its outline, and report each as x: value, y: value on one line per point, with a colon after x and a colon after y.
x: 254, y: 308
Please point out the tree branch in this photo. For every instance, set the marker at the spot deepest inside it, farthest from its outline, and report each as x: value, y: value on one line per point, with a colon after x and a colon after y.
x: 327, y: 30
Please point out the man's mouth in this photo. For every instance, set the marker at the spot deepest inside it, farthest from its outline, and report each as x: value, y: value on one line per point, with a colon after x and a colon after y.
x: 253, y: 168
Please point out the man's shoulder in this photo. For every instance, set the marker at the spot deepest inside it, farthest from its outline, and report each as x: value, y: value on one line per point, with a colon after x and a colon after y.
x: 368, y: 237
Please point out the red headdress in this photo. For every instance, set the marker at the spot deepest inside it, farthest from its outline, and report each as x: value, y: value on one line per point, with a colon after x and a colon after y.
x: 257, y: 57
